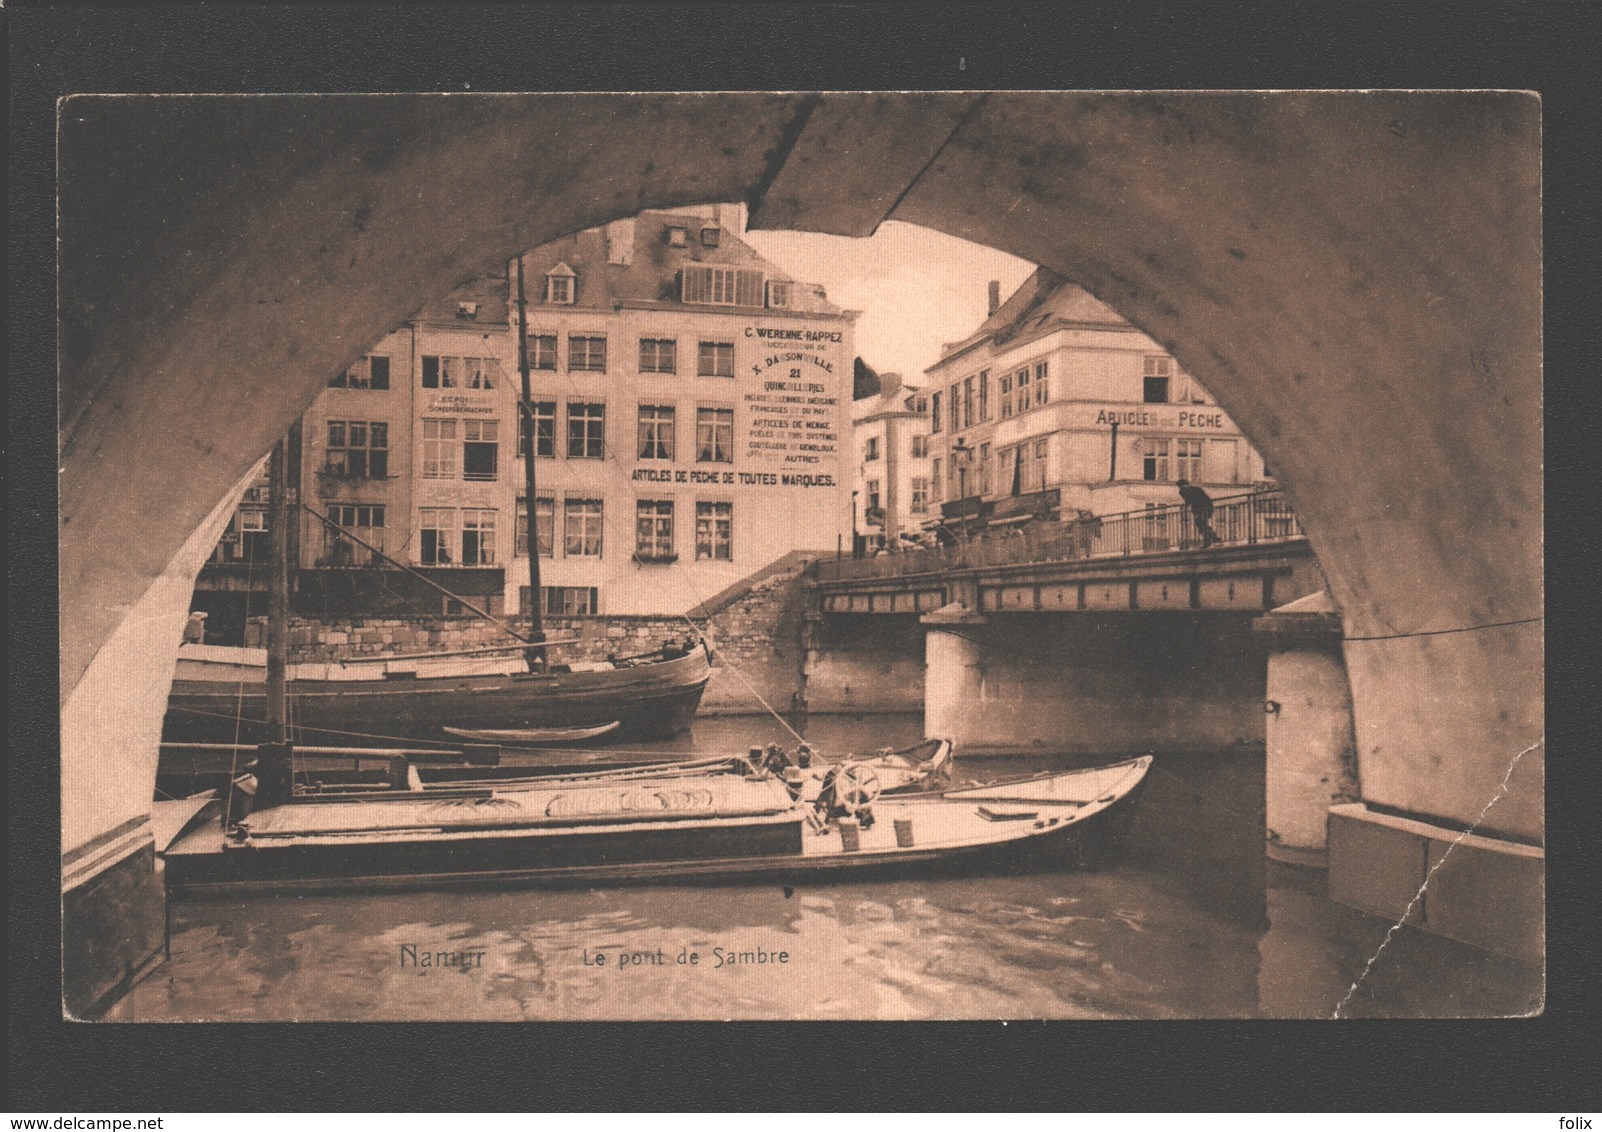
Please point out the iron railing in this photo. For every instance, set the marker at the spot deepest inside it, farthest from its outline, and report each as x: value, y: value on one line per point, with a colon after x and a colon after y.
x: 1237, y: 520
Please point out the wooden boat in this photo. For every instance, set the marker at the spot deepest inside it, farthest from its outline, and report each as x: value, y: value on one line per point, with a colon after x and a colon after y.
x: 698, y: 828
x: 535, y: 736
x: 219, y: 695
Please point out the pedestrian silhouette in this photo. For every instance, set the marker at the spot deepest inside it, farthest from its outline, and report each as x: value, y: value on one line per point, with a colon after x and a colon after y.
x: 1201, y: 511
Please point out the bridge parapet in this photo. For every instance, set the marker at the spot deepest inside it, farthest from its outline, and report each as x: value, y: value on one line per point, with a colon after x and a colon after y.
x: 1248, y: 519
x: 1144, y: 560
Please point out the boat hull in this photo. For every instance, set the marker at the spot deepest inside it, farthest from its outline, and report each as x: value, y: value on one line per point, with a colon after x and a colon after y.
x: 778, y: 847
x: 647, y: 701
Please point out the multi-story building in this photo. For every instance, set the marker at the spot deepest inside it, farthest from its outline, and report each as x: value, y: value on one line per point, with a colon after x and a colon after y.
x: 893, y: 483
x: 689, y: 415
x: 1056, y: 406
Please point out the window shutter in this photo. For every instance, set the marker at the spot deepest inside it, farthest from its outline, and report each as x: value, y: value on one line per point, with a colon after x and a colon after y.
x: 695, y: 284
x: 748, y: 288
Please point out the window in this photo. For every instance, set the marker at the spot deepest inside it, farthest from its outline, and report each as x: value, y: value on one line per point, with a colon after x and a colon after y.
x: 544, y: 525
x: 1032, y: 473
x: 920, y: 495
x: 653, y: 530
x: 954, y: 406
x: 678, y: 237
x: 714, y: 436
x: 357, y: 450
x: 586, y: 431
x: 656, y: 432
x: 659, y: 355
x: 984, y: 469
x: 559, y: 285
x: 936, y: 481
x: 934, y: 413
x: 1006, y: 395
x: 984, y: 395
x: 1154, y: 463
x: 249, y: 537
x: 873, y: 496
x: 478, y: 536
x: 542, y: 351
x: 967, y: 402
x: 363, y: 520
x: 714, y: 531
x: 920, y: 447
x: 441, y: 372
x: 586, y: 353
x: 870, y: 450
x: 544, y: 430
x: 371, y: 372
x: 709, y: 237
x: 581, y: 528
x: 779, y: 294
x: 1020, y: 385
x: 569, y: 601
x: 480, y: 450
x: 439, y: 449
x: 721, y: 286
x: 715, y: 359
x: 1187, y: 460
x: 1158, y: 371
x: 1042, y: 389
x: 437, y: 530
x: 479, y: 373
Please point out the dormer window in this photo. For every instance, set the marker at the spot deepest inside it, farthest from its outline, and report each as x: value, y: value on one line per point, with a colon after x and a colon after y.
x: 677, y: 236
x: 559, y: 285
x: 466, y: 310
x: 709, y: 237
x: 778, y: 294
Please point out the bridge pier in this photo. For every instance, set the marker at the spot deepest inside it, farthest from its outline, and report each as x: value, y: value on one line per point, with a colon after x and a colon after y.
x: 1311, y: 747
x: 953, y: 682
x: 1092, y: 683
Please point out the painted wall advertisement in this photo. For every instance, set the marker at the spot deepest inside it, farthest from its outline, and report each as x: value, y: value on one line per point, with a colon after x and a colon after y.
x: 792, y: 407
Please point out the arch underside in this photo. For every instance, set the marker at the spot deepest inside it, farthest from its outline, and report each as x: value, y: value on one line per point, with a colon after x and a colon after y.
x: 1356, y: 278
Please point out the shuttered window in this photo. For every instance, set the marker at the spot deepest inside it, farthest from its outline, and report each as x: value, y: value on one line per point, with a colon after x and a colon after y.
x: 721, y: 286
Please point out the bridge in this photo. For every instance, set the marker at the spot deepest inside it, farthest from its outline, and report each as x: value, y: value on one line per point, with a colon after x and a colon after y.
x: 1153, y: 559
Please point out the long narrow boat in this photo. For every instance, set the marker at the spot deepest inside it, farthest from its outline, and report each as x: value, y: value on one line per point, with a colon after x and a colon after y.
x: 219, y: 695
x: 674, y: 829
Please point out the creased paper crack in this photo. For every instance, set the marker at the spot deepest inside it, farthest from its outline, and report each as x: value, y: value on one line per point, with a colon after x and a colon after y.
x: 1501, y: 793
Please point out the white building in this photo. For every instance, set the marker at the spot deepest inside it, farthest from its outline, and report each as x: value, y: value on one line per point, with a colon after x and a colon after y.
x: 893, y: 478
x: 1057, y: 405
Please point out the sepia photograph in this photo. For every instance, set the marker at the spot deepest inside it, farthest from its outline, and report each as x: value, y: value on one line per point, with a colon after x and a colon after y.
x: 801, y: 556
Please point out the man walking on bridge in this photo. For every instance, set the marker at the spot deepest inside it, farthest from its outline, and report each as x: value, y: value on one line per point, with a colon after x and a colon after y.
x: 1201, y: 510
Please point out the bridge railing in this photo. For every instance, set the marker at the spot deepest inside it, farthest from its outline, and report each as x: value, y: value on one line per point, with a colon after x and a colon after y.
x: 1237, y: 520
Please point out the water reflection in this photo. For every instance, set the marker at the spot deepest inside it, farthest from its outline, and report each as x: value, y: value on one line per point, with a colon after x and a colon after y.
x: 1194, y: 923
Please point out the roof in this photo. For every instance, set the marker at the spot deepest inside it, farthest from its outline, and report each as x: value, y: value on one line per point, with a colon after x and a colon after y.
x: 651, y: 275
x: 1044, y: 302
x: 484, y: 295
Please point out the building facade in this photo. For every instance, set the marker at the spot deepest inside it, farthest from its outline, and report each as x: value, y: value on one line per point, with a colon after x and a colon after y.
x: 1056, y: 406
x: 894, y: 486
x: 689, y: 411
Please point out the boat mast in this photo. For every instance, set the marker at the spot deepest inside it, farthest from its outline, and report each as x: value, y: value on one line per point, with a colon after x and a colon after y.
x: 526, y: 434
x: 274, y: 769
x: 277, y: 594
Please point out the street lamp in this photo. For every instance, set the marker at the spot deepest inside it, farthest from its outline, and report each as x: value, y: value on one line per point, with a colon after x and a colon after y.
x: 961, y: 449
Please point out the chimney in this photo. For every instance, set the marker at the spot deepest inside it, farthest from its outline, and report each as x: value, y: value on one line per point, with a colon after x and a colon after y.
x: 995, y: 295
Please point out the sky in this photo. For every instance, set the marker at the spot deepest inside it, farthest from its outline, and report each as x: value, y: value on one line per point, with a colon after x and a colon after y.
x: 916, y: 288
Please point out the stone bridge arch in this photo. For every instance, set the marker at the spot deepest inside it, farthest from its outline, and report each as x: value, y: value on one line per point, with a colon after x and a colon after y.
x: 1355, y: 276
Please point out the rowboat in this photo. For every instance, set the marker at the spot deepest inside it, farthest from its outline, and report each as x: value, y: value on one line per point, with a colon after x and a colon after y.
x: 534, y: 736
x: 688, y: 828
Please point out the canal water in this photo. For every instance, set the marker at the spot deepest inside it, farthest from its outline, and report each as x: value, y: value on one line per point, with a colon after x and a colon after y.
x: 1194, y: 923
